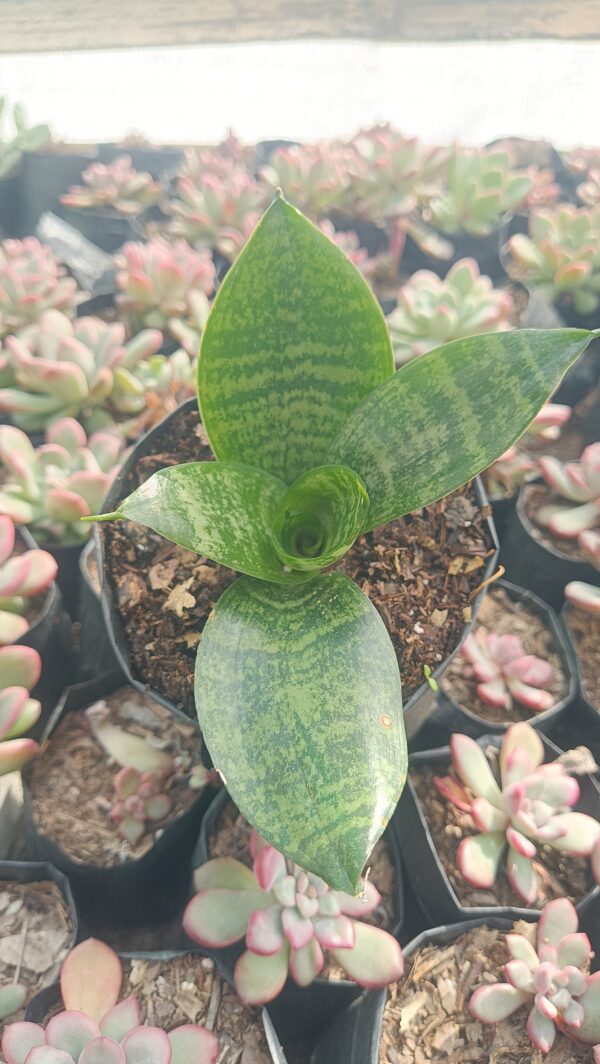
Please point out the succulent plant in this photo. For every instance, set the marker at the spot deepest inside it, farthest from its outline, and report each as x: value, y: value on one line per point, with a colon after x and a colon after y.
x: 31, y: 282
x: 314, y: 177
x: 53, y: 486
x: 153, y: 388
x: 287, y: 915
x: 390, y: 174
x: 24, y: 138
x: 317, y: 440
x: 545, y: 190
x: 22, y: 577
x: 138, y: 798
x: 561, y: 255
x: 216, y: 211
x: 20, y: 670
x: 165, y: 285
x: 589, y: 190
x: 481, y: 187
x: 578, y: 482
x: 581, y: 160
x: 432, y: 311
x: 63, y: 369
x: 584, y: 596
x: 97, y: 1028
x: 552, y: 978
x: 519, y: 463
x: 530, y: 807
x: 115, y: 186
x: 504, y: 672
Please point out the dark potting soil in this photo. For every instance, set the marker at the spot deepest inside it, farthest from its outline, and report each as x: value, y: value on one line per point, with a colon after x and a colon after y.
x: 35, y: 936
x: 534, y: 497
x: 420, y: 572
x: 231, y: 838
x: 585, y: 633
x: 559, y: 874
x: 72, y: 782
x: 426, y: 1016
x: 500, y: 614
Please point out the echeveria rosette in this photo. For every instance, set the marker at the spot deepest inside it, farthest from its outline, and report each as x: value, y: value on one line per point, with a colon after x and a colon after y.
x: 317, y: 440
x: 504, y: 672
x: 288, y: 916
x: 530, y: 807
x: 551, y: 978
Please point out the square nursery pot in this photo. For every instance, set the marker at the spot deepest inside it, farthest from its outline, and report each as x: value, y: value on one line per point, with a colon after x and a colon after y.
x: 589, y: 713
x: 96, y: 654
x: 422, y: 865
x: 154, y: 160
x: 142, y: 892
x: 107, y: 229
x: 44, y: 1003
x: 45, y: 176
x: 354, y: 1037
x: 67, y: 556
x: 531, y: 564
x: 10, y: 205
x: 455, y: 718
x: 298, y: 1010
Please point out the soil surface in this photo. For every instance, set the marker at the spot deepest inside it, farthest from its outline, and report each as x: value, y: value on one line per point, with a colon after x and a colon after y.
x: 420, y: 572
x: 501, y: 614
x: 426, y: 1016
x: 585, y: 632
x: 231, y: 838
x: 72, y: 782
x: 558, y: 874
x: 534, y: 497
x: 36, y: 934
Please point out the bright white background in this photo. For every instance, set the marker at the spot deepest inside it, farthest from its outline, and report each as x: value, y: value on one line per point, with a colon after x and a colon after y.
x: 312, y: 89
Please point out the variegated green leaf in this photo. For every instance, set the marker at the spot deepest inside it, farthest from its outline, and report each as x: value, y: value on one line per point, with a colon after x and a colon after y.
x: 298, y: 697
x: 294, y: 342
x: 220, y: 509
x: 446, y: 416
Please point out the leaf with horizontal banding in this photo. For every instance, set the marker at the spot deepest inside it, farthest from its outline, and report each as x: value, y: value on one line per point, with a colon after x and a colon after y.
x: 298, y: 697
x: 219, y: 509
x: 446, y: 416
x: 294, y: 342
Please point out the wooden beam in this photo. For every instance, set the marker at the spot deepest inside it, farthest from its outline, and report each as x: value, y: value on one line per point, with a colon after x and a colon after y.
x: 65, y: 25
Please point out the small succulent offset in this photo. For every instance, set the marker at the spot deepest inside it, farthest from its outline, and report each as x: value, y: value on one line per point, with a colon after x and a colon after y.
x: 552, y: 978
x: 50, y: 488
x: 504, y: 672
x: 577, y: 482
x: 481, y: 187
x: 584, y: 596
x: 317, y: 441
x: 153, y: 389
x: 22, y: 577
x: 164, y: 285
x: 216, y: 210
x: 520, y: 462
x: 115, y: 186
x: 20, y: 670
x: 97, y: 1028
x: 61, y: 368
x: 530, y: 807
x: 23, y: 138
x: 432, y: 311
x: 561, y: 255
x: 287, y: 916
x: 545, y: 190
x: 31, y: 282
x: 139, y: 799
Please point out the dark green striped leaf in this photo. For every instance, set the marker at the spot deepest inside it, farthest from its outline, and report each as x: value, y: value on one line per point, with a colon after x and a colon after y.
x: 294, y: 342
x: 298, y: 697
x: 449, y: 414
x: 219, y: 509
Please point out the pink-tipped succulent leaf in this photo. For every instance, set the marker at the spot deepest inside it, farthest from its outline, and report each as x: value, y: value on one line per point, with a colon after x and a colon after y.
x: 139, y: 800
x: 577, y: 482
x: 504, y: 673
x: 22, y: 576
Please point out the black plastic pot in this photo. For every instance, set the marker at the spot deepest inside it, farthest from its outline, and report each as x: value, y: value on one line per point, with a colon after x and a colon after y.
x: 589, y: 707
x: 46, y: 176
x: 136, y: 893
x: 373, y: 237
x: 531, y: 564
x: 502, y: 507
x: 155, y: 161
x: 299, y: 1009
x: 584, y: 375
x: 485, y: 249
x: 45, y: 1001
x: 96, y: 306
x: 106, y: 229
x: 422, y: 865
x: 455, y: 718
x: 67, y: 558
x: 10, y: 205
x: 264, y: 150
x: 96, y: 655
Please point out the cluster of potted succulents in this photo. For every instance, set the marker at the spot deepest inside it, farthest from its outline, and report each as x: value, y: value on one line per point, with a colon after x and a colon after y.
x: 209, y: 723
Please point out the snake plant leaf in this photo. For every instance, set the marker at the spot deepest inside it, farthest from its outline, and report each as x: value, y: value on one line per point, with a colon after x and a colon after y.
x: 294, y: 342
x: 319, y: 517
x: 219, y: 509
x: 298, y: 697
x: 446, y: 416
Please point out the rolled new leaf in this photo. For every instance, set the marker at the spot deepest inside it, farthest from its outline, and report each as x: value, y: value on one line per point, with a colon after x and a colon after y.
x: 298, y: 697
x: 446, y: 416
x: 294, y: 342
